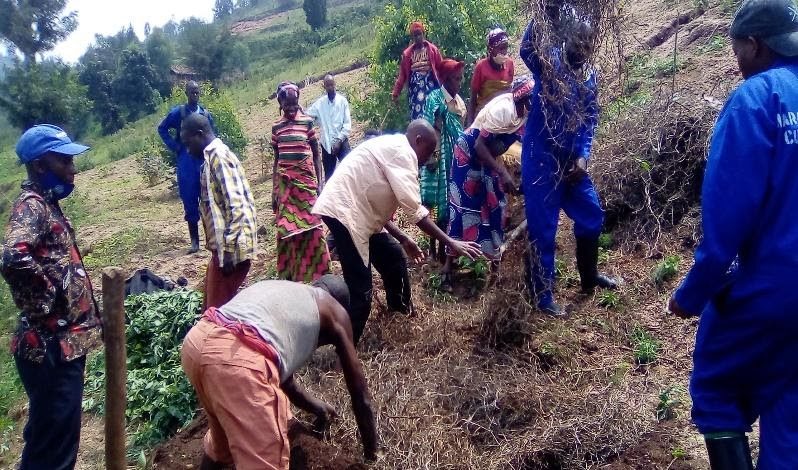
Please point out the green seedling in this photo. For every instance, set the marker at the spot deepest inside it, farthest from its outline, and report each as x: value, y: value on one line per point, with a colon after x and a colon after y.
x: 605, y: 241
x: 678, y: 453
x: 610, y: 300
x: 666, y: 270
x: 669, y: 400
x: 646, y: 348
x: 603, y: 256
x: 479, y: 268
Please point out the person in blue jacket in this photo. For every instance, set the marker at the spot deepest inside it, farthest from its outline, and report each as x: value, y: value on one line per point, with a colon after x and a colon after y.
x: 742, y: 283
x: 188, y: 166
x: 556, y: 148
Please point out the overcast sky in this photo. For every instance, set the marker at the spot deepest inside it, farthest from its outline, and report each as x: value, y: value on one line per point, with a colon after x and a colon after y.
x: 106, y: 17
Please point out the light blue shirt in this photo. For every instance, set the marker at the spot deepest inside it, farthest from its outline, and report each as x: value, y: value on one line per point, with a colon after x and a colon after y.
x: 333, y: 117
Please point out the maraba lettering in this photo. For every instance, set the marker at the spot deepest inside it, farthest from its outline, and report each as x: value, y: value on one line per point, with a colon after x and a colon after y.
x: 788, y: 119
x: 791, y: 137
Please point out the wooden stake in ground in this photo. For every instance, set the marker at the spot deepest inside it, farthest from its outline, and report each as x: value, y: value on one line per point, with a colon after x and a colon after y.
x: 115, y: 367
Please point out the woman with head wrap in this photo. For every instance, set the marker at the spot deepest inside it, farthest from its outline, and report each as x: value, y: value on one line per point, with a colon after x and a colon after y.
x: 445, y: 110
x: 493, y: 74
x: 479, y: 179
x: 302, y: 254
x: 419, y: 67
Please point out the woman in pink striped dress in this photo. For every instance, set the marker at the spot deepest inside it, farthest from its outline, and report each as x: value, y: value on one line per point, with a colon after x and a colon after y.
x: 302, y: 254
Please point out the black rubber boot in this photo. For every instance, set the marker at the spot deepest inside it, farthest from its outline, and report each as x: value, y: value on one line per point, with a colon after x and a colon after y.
x: 587, y: 263
x: 729, y: 452
x: 193, y: 232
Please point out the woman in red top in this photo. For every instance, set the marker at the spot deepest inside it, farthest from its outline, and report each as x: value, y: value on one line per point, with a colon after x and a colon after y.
x: 492, y: 75
x: 418, y: 68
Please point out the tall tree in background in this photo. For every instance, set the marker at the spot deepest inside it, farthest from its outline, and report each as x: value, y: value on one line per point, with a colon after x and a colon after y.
x: 315, y: 13
x: 160, y: 52
x: 45, y: 93
x: 35, y: 26
x: 223, y: 9
x: 132, y: 87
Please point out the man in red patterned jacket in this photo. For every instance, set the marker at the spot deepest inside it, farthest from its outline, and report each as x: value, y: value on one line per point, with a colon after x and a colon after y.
x: 59, y: 320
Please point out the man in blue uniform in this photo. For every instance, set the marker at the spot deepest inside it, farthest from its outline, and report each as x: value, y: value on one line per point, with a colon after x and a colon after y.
x: 556, y: 148
x: 188, y: 166
x: 743, y: 280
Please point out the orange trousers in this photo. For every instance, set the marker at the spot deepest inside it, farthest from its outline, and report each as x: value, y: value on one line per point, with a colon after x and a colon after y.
x: 240, y: 390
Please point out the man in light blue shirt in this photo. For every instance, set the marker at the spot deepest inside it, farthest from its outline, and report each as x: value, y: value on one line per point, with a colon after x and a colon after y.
x: 331, y: 112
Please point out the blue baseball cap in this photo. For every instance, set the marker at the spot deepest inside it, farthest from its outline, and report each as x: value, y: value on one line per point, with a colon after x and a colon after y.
x: 43, y: 138
x: 773, y: 21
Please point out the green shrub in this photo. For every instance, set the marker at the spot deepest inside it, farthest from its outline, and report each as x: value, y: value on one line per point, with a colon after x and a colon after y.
x: 666, y: 270
x: 153, y: 163
x: 160, y: 399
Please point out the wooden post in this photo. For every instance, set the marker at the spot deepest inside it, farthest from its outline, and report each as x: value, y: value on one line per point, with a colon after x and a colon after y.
x: 115, y: 367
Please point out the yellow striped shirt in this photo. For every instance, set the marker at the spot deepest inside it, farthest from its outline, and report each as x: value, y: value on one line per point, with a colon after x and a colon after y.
x: 226, y: 205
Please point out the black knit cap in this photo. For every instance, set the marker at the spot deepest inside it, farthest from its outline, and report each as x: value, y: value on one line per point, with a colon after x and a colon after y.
x: 336, y: 287
x: 773, y: 21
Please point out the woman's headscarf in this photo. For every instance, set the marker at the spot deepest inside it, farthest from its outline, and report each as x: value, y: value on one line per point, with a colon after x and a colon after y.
x: 522, y: 87
x: 449, y: 67
x: 283, y: 89
x: 416, y: 26
x: 496, y: 37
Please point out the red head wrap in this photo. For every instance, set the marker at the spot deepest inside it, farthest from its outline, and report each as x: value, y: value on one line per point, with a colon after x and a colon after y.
x: 416, y: 26
x: 450, y: 67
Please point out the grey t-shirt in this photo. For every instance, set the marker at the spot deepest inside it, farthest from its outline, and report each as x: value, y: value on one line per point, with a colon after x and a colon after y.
x: 285, y: 314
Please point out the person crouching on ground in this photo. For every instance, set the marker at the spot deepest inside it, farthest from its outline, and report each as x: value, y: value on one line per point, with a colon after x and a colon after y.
x: 59, y: 320
x: 745, y: 347
x: 241, y: 360
x: 227, y: 209
x: 302, y: 254
x: 479, y: 180
x: 371, y: 183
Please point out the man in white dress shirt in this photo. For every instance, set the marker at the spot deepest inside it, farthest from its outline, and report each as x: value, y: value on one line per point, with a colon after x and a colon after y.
x: 331, y: 112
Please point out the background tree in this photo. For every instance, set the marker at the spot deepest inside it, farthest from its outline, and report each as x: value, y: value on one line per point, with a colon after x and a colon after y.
x: 223, y: 9
x: 161, y: 54
x: 315, y: 13
x: 45, y: 93
x: 132, y: 86
x: 35, y: 26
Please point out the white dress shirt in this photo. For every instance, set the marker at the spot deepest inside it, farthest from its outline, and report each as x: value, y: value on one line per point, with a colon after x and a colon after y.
x: 369, y: 185
x: 333, y: 118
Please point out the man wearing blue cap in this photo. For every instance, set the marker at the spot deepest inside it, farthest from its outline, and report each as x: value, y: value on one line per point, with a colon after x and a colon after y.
x: 59, y: 320
x: 747, y: 340
x: 189, y: 167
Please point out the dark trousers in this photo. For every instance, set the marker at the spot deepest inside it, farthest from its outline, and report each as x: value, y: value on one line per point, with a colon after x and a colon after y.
x: 55, y: 393
x: 388, y: 258
x: 330, y: 160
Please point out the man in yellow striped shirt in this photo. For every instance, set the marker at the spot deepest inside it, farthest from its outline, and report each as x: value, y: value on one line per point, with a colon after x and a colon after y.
x: 227, y: 209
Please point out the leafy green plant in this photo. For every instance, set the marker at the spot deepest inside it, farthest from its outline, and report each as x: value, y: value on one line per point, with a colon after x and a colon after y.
x: 715, y: 43
x: 669, y: 400
x: 152, y: 164
x: 678, y: 453
x: 605, y: 241
x: 479, y: 267
x: 665, y: 270
x: 160, y: 398
x: 610, y: 299
x: 645, y: 347
x: 423, y: 244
